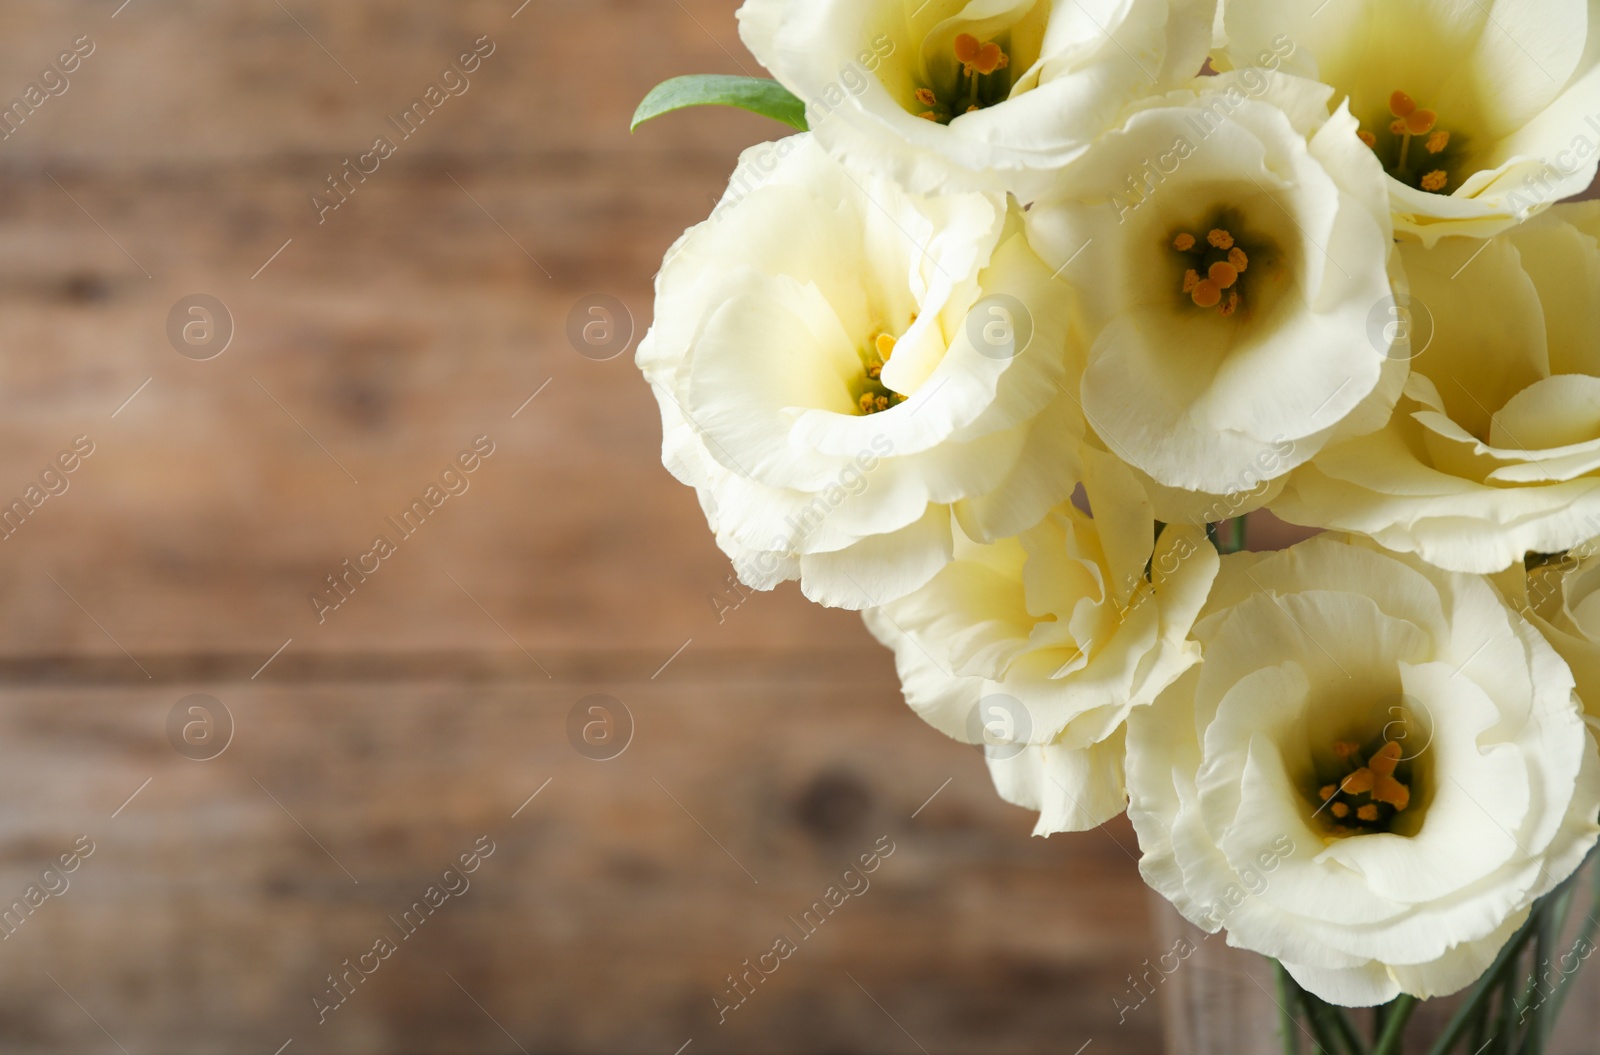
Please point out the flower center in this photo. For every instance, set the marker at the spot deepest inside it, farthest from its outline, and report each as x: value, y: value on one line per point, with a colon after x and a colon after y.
x: 1368, y: 795
x: 873, y: 396
x: 1214, y: 273
x: 1413, y: 149
x: 981, y: 82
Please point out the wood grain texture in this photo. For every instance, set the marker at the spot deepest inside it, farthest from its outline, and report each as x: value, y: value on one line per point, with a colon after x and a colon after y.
x: 380, y: 743
x: 418, y: 716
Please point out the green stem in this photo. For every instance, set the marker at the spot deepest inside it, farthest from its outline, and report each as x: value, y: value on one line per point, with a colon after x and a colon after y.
x: 1325, y: 1026
x: 1480, y: 1026
x: 1585, y: 936
x: 1319, y: 1030
x: 1472, y: 1010
x: 1394, y: 1025
x: 1542, y: 944
x: 1227, y: 535
x: 1286, y: 1022
x: 1505, y: 1038
x: 1555, y: 921
x: 1307, y: 1004
x: 1346, y: 1031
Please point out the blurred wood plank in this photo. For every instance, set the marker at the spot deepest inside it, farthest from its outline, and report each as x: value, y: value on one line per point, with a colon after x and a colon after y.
x: 612, y: 909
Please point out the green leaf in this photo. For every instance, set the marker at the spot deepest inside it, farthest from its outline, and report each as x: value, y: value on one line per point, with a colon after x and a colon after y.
x: 758, y: 95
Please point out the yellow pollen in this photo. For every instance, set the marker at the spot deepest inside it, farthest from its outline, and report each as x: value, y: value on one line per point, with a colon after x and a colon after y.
x: 928, y: 115
x: 1376, y: 781
x: 1223, y: 274
x: 1402, y: 105
x: 1421, y: 122
x: 885, y: 346
x: 1183, y: 243
x: 1385, y: 788
x: 1438, y: 141
x: 1230, y: 305
x: 1369, y: 139
x: 1220, y: 238
x: 1398, y: 126
x: 875, y: 371
x: 1206, y: 294
x: 1357, y: 783
x: 1240, y: 262
x: 982, y: 58
x: 926, y: 97
x: 1435, y: 180
x: 1191, y: 279
x: 974, y: 108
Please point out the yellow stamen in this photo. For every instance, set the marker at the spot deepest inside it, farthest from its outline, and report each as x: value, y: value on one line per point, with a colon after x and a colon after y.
x: 929, y: 115
x: 1220, y: 238
x: 1385, y: 788
x: 868, y: 403
x: 1357, y: 783
x: 1240, y: 262
x: 1386, y: 758
x: 1376, y: 780
x: 1401, y: 105
x: 1230, y: 305
x: 1438, y: 141
x: 1435, y: 180
x: 982, y: 58
x: 926, y: 97
x: 1421, y: 122
x: 1398, y: 126
x: 885, y: 346
x: 1206, y: 294
x: 1183, y: 243
x: 1369, y: 139
x: 1223, y: 274
x: 1191, y: 279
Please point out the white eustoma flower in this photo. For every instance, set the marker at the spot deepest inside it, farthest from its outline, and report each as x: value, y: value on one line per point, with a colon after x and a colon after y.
x: 1376, y: 770
x: 1561, y: 597
x: 843, y: 368
x: 1494, y: 451
x: 1229, y: 244
x: 1484, y: 112
x: 1039, y: 646
x: 972, y: 94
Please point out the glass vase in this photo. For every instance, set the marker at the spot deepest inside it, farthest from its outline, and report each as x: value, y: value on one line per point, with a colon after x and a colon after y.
x: 1220, y: 1000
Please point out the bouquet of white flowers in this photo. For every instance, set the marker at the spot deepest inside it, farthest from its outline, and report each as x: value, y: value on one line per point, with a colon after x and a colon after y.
x: 1045, y: 297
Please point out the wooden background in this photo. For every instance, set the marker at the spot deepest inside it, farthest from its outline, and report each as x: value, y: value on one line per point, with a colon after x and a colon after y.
x: 386, y: 740
x: 371, y: 749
